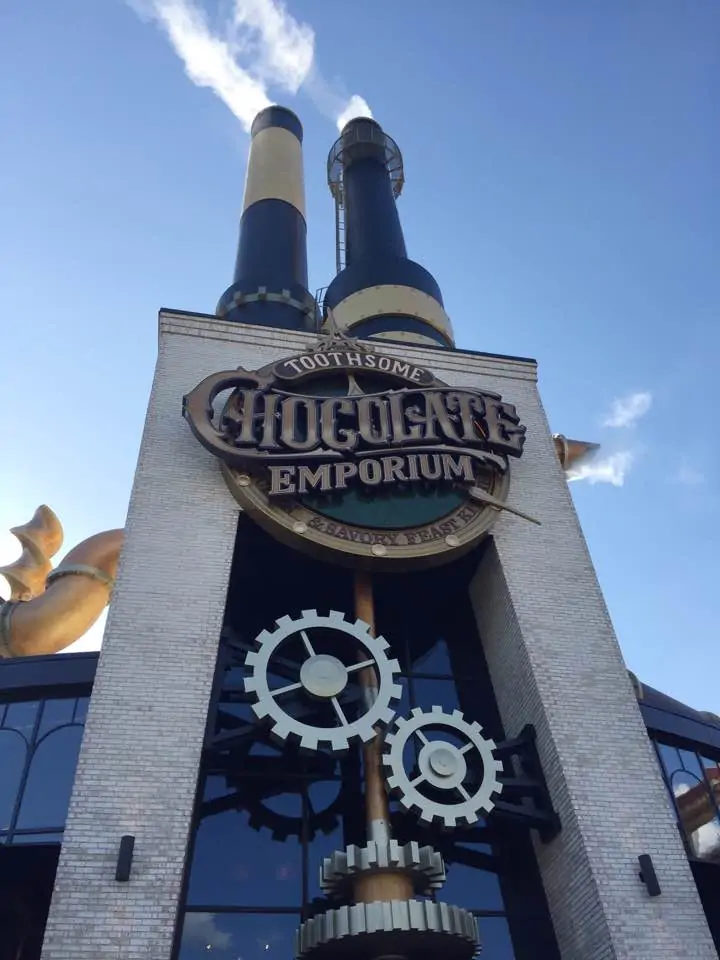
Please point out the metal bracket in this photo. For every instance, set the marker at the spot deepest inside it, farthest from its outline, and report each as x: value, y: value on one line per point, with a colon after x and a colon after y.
x: 525, y: 798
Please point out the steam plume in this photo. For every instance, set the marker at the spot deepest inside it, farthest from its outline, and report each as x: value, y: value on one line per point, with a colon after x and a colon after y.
x: 611, y: 469
x: 331, y: 102
x: 258, y: 46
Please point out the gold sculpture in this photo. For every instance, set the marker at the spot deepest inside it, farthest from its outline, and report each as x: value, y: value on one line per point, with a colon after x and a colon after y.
x: 40, y: 539
x: 50, y: 609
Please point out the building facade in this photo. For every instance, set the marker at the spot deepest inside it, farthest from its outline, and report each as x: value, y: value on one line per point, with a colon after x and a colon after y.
x: 359, y: 694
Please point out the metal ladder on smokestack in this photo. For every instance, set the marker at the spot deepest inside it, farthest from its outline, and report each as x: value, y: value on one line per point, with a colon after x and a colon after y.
x: 339, y: 225
x: 371, y: 133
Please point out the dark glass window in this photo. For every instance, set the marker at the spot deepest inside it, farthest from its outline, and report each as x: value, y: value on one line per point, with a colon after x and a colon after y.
x: 427, y: 693
x: 712, y: 772
x: 39, y: 745
x: 323, y: 795
x: 234, y: 865
x: 56, y: 713
x: 22, y: 717
x: 229, y: 936
x: 13, y: 753
x: 267, y: 814
x: 495, y: 938
x: 46, y: 796
x: 81, y: 709
x: 435, y: 661
x: 473, y: 888
x: 693, y: 781
x: 47, y: 836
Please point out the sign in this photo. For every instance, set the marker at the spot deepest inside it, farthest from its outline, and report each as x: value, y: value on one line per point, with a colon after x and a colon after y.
x: 360, y: 455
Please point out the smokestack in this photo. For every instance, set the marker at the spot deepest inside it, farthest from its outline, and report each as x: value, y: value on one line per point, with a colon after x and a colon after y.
x: 378, y: 292
x: 271, y: 277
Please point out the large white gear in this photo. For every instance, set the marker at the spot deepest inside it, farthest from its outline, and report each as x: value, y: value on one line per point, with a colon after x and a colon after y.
x: 442, y: 766
x: 323, y: 677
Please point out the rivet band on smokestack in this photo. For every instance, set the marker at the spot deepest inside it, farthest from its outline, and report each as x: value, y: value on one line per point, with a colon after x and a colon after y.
x: 380, y: 293
x: 271, y: 276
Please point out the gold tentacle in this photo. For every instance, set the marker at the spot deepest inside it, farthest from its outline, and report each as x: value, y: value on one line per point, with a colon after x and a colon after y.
x: 77, y: 592
x: 40, y: 539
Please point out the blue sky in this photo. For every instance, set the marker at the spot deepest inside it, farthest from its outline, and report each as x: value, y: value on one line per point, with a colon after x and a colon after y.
x: 561, y: 164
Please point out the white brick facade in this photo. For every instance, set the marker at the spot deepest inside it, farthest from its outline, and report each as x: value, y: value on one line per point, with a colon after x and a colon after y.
x: 552, y: 654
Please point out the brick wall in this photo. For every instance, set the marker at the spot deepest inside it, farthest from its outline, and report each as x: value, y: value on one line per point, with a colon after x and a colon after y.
x: 552, y: 654
x: 555, y: 662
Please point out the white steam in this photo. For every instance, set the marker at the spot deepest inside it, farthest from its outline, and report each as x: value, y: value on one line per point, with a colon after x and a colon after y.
x: 356, y: 107
x: 611, y: 469
x: 210, y: 61
x: 279, y: 49
x: 256, y: 47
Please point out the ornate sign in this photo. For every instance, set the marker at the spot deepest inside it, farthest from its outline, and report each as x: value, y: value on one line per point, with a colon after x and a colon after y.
x: 360, y: 454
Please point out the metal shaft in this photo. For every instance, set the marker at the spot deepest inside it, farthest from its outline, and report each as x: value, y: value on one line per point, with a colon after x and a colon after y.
x: 390, y: 885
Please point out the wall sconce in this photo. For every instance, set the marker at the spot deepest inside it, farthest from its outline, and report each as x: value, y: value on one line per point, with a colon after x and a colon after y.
x: 125, y: 858
x: 648, y: 876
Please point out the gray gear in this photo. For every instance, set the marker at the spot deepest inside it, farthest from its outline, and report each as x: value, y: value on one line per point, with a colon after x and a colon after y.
x: 422, y: 929
x: 423, y: 865
x: 442, y: 766
x: 323, y: 677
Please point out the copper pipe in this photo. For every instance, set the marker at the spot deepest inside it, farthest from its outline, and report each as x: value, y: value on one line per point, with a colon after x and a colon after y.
x: 390, y: 885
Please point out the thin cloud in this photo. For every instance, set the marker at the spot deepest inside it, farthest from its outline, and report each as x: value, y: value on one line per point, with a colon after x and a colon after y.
x: 258, y: 46
x: 626, y: 411
x: 612, y: 469
x: 687, y: 475
x: 202, y: 928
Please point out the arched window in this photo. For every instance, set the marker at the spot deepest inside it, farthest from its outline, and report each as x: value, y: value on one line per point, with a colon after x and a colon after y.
x: 694, y: 785
x: 39, y: 746
x: 47, y: 792
x: 13, y: 753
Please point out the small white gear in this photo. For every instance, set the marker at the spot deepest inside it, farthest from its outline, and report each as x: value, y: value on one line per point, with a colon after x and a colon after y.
x: 442, y: 767
x: 323, y: 677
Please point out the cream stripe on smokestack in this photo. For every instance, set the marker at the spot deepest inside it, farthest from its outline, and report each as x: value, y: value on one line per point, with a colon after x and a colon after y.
x: 270, y: 286
x: 393, y: 300
x: 275, y: 170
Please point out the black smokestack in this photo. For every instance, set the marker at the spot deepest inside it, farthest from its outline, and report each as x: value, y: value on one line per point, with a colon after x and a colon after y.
x: 271, y: 276
x: 380, y: 292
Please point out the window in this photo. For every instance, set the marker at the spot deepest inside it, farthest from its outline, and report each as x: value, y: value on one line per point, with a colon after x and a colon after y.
x: 227, y: 936
x: 693, y: 781
x: 13, y: 755
x: 233, y: 863
x: 39, y: 746
x: 266, y: 814
x: 46, y: 796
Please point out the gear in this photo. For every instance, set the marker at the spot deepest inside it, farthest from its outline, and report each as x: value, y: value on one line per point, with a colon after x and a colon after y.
x: 443, y: 768
x: 283, y: 826
x: 423, y: 865
x: 421, y: 929
x: 323, y: 677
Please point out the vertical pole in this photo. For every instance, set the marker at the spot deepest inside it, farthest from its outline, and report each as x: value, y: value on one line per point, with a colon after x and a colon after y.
x: 390, y: 885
